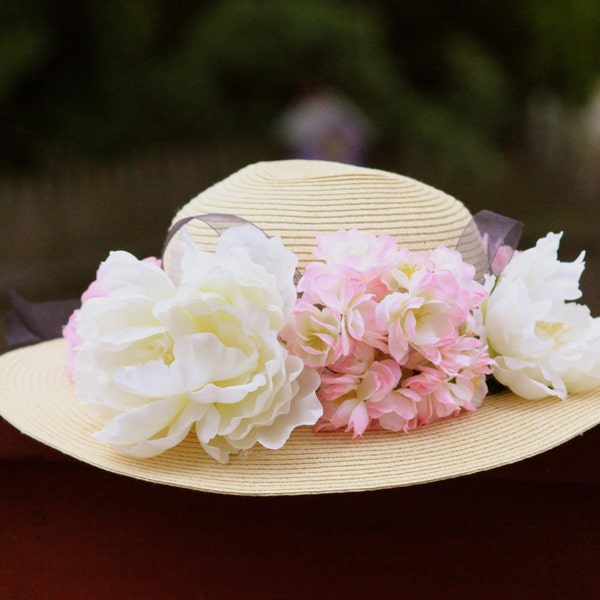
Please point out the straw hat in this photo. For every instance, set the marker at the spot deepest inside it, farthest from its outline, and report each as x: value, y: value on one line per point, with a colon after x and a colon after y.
x: 296, y: 199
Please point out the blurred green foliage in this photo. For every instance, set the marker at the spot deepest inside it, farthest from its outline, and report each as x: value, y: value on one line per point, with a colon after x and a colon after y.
x: 442, y: 80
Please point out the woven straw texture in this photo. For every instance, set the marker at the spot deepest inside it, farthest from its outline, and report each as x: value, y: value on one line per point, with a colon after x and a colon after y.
x: 296, y: 199
x: 36, y: 397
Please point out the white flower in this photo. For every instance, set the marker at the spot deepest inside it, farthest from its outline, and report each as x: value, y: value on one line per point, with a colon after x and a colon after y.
x: 197, y: 347
x: 543, y: 345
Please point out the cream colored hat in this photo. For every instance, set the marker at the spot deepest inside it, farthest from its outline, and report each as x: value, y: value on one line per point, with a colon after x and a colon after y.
x: 294, y: 200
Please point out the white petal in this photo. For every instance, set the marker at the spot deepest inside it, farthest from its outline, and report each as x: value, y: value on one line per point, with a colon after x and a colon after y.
x: 202, y: 358
x: 267, y: 252
x: 530, y: 382
x: 141, y: 423
x: 153, y: 379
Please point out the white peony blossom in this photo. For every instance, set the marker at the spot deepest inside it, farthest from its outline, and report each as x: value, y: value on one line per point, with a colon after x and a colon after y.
x: 198, y: 347
x: 543, y: 345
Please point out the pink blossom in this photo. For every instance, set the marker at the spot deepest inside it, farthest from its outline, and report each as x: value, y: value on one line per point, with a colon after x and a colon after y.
x: 442, y: 395
x: 349, y: 299
x: 357, y: 395
x: 358, y: 255
x: 463, y: 273
x: 411, y: 343
x: 404, y: 265
x: 336, y: 386
x: 465, y: 353
x: 397, y: 411
x: 350, y: 413
x: 355, y: 363
x: 502, y: 257
x: 379, y: 380
x: 313, y: 334
x: 358, y: 251
x: 427, y: 314
x: 74, y: 340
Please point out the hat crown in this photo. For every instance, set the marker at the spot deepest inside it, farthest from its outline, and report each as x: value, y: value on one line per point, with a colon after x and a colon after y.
x: 296, y: 199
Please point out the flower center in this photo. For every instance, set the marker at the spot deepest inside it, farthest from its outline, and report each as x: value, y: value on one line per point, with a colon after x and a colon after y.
x: 552, y: 328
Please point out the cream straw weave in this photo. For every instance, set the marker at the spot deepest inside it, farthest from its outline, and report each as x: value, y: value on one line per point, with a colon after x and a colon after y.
x: 296, y: 199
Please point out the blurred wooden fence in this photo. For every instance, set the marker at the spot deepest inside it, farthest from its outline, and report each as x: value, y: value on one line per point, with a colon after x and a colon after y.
x: 56, y: 227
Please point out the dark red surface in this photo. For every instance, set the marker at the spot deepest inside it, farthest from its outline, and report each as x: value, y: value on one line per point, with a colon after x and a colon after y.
x: 71, y: 531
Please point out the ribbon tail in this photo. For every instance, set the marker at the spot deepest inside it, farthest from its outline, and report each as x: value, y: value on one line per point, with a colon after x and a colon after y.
x: 218, y: 222
x: 489, y: 241
x: 33, y: 322
x: 501, y: 236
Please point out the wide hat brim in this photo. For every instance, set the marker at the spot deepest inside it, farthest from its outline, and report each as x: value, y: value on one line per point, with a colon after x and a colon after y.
x: 39, y: 400
x: 290, y: 199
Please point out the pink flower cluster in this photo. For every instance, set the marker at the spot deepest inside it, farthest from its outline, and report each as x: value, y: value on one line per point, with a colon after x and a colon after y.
x: 396, y: 335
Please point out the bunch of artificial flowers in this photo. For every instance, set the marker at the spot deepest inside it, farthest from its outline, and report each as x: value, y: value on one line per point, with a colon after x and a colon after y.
x: 373, y: 336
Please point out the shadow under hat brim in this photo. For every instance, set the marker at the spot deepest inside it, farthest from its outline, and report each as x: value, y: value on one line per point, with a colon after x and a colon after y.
x: 37, y: 398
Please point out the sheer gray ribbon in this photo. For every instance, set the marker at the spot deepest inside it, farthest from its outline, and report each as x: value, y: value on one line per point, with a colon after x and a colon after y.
x: 218, y: 222
x: 32, y: 322
x: 487, y: 238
